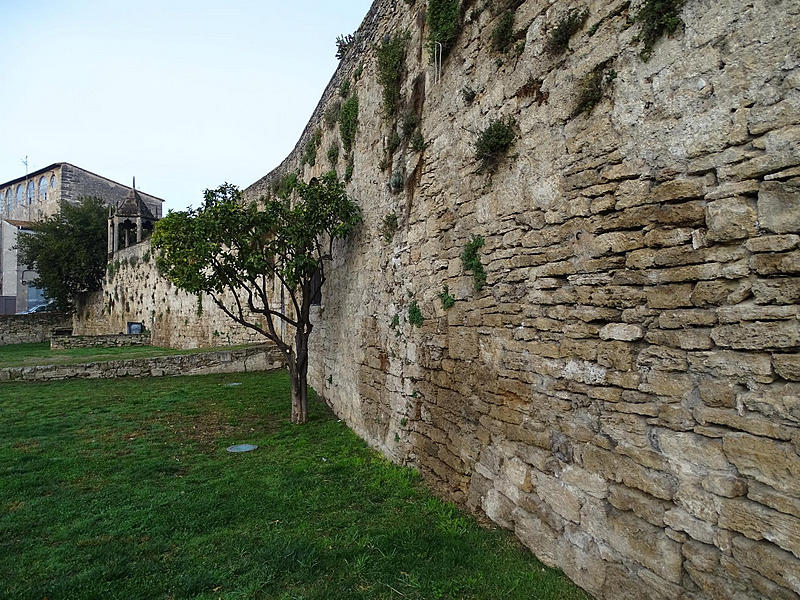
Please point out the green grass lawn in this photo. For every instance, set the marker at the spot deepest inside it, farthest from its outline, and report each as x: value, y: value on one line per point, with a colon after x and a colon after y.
x: 123, y: 489
x: 26, y: 355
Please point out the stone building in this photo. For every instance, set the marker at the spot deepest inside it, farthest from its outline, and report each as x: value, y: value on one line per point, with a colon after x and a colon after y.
x: 37, y: 195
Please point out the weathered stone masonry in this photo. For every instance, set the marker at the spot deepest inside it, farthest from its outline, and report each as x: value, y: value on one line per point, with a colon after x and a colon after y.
x: 134, y: 291
x: 623, y: 394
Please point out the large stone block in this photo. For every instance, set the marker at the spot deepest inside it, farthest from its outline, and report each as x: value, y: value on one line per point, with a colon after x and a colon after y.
x: 760, y: 523
x: 758, y: 335
x: 730, y: 219
x: 769, y: 461
x: 691, y: 453
x: 772, y: 562
x: 779, y: 207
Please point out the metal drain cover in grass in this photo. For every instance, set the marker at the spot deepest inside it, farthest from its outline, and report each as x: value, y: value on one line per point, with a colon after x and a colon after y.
x: 242, y: 448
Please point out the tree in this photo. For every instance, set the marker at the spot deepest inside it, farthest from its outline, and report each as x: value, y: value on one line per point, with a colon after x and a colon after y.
x: 233, y: 251
x: 68, y: 251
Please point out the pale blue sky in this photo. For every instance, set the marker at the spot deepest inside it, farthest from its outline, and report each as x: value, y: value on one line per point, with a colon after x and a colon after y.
x: 185, y: 95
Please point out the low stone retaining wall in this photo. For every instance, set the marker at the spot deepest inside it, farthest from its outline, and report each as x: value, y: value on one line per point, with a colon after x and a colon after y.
x: 257, y: 358
x: 62, y: 341
x: 31, y: 329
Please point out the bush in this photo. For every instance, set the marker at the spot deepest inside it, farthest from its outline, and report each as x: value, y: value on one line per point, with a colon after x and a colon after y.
x: 389, y: 227
x: 503, y: 33
x: 332, y: 113
x: 471, y: 262
x: 285, y: 185
x: 348, y: 171
x: 310, y: 152
x: 444, y: 24
x: 569, y: 25
x: 393, y: 142
x: 348, y: 121
x: 333, y: 153
x: 447, y: 300
x: 343, y: 43
x: 409, y: 123
x: 417, y: 142
x: 494, y: 141
x: 391, y: 60
x: 658, y: 17
x: 468, y: 94
x: 397, y: 181
x: 592, y: 87
x: 415, y: 314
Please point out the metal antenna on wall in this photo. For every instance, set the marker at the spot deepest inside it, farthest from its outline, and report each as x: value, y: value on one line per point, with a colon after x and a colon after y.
x: 438, y: 51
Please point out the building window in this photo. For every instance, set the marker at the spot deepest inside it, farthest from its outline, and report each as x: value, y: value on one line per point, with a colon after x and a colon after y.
x: 43, y: 189
x: 31, y: 192
x: 8, y: 201
x: 20, y: 195
x: 53, y: 181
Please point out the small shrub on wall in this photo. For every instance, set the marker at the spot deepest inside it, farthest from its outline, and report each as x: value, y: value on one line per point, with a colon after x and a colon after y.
x: 494, y: 141
x: 657, y: 17
x: 472, y: 262
x: 391, y: 59
x: 444, y: 24
x: 569, y: 25
x: 348, y: 121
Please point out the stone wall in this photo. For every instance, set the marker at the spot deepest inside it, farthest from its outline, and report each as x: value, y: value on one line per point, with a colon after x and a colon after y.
x: 623, y: 393
x: 63, y: 341
x: 134, y: 291
x: 29, y: 329
x: 243, y: 360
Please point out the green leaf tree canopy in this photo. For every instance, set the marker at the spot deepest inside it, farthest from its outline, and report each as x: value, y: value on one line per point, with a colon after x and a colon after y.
x: 68, y: 251
x: 233, y: 251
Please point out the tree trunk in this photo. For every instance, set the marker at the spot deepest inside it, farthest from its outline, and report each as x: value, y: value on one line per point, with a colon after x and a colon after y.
x: 298, y: 371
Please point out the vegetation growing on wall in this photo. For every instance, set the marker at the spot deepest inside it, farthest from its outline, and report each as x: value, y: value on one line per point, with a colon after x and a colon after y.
x: 310, y: 152
x: 393, y: 142
x: 417, y: 142
x: 447, y: 300
x: 567, y: 26
x: 343, y: 44
x: 397, y: 181
x: 494, y: 141
x: 592, y: 87
x: 409, y: 123
x: 332, y: 113
x: 284, y: 186
x: 348, y: 172
x: 348, y: 121
x: 111, y: 270
x: 444, y: 24
x: 415, y: 314
x: 503, y: 33
x: 657, y: 18
x: 391, y: 61
x: 472, y: 262
x: 389, y: 227
x: 468, y: 94
x: 333, y: 153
